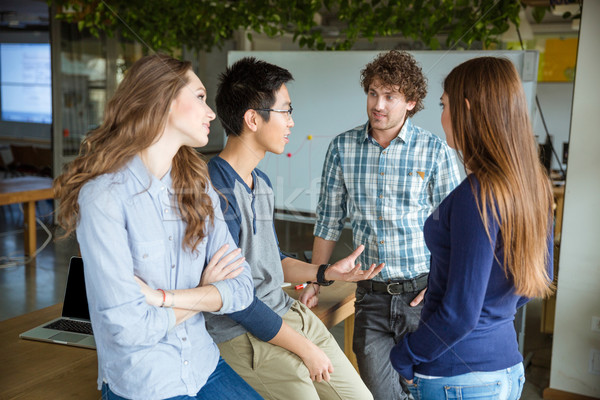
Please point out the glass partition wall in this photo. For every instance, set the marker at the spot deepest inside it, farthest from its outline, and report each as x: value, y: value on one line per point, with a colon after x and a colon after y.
x: 86, y: 72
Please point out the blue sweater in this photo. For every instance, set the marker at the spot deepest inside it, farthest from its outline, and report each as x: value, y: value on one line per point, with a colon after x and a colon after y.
x: 467, y: 319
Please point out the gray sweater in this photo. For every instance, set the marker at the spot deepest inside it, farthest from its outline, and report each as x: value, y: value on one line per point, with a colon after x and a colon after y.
x: 249, y: 216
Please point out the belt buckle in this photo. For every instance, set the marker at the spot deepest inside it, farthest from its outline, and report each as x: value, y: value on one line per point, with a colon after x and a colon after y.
x: 392, y: 285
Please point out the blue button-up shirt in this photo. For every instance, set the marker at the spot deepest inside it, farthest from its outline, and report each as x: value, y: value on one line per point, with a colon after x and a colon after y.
x: 129, y: 225
x: 387, y: 193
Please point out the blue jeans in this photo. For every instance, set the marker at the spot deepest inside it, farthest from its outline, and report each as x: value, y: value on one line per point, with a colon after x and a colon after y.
x: 381, y: 320
x: 222, y: 384
x: 505, y: 384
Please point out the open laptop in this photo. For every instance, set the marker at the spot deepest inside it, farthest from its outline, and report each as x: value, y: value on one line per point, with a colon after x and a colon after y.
x: 74, y: 327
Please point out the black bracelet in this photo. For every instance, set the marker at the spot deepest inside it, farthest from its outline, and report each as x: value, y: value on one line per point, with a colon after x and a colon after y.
x: 321, y: 275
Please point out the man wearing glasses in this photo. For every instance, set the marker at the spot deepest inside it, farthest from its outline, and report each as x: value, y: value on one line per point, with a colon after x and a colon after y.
x: 387, y: 176
x: 255, y: 109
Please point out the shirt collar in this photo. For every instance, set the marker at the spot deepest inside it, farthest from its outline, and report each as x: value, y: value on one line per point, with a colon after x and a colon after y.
x: 407, y: 131
x: 147, y: 180
x: 234, y: 174
x: 365, y: 133
x: 404, y: 134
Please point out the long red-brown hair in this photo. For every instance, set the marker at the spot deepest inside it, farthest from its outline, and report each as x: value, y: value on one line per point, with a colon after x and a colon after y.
x: 135, y: 117
x: 493, y: 132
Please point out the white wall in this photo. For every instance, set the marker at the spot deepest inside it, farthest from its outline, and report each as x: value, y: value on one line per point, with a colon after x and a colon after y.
x: 578, y: 297
x: 339, y: 105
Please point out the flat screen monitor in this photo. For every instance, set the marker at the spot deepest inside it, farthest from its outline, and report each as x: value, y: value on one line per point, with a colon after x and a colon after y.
x: 25, y: 82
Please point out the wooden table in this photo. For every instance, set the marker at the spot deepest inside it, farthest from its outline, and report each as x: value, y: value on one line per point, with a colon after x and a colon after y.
x: 37, y: 370
x: 336, y: 304
x: 26, y: 190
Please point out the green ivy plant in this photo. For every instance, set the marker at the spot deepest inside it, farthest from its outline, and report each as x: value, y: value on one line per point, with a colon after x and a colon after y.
x: 539, y: 12
x: 166, y: 25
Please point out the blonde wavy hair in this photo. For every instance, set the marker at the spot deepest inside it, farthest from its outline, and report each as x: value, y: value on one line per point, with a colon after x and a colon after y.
x: 135, y: 117
x: 494, y: 134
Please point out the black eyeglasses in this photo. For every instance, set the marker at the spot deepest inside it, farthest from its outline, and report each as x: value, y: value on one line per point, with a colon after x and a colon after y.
x: 288, y: 112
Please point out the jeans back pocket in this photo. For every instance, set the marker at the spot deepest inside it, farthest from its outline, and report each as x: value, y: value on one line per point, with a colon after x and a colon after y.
x: 485, y: 391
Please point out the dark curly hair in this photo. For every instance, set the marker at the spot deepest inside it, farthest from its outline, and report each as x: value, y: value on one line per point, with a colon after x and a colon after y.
x: 397, y: 69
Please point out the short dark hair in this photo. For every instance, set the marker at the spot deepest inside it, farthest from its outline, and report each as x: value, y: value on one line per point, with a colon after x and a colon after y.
x: 247, y: 84
x: 397, y: 68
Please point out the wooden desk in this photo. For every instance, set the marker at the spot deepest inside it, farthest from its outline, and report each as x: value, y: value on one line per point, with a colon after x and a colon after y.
x: 37, y: 370
x: 26, y: 190
x: 336, y: 304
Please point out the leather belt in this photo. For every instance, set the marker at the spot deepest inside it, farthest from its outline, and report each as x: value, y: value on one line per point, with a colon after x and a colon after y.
x: 398, y: 287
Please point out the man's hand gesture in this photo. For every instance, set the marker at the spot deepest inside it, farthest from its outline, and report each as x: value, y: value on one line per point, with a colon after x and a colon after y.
x: 346, y: 269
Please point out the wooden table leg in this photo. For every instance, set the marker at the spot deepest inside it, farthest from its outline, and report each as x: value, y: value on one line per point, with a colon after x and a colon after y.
x: 29, y: 219
x: 348, y: 335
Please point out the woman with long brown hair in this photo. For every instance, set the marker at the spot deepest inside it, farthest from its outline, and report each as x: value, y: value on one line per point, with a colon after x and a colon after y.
x: 139, y: 198
x: 490, y: 242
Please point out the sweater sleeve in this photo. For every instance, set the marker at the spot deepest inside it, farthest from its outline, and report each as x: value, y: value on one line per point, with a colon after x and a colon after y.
x: 471, y: 260
x: 259, y: 320
x: 223, y: 182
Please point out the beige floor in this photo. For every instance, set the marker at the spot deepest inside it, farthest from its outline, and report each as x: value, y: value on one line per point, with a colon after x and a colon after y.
x: 27, y: 288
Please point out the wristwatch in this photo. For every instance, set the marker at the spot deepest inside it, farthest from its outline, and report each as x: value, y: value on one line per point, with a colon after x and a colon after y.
x: 321, y: 275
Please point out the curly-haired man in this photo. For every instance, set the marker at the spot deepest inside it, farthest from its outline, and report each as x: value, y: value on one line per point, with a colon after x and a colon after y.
x: 387, y: 176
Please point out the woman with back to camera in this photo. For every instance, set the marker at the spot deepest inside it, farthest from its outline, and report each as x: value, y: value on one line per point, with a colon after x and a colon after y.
x: 139, y: 197
x: 490, y: 240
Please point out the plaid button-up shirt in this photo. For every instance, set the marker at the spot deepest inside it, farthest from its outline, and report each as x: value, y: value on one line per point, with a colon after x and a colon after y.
x: 387, y: 194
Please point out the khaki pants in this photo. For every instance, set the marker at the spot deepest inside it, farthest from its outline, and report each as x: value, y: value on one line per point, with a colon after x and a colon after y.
x: 278, y: 374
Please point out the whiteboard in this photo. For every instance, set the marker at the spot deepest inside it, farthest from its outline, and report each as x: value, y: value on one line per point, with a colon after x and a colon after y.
x: 328, y: 99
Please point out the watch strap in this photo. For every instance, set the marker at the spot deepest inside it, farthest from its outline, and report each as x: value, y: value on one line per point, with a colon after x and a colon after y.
x: 321, y: 275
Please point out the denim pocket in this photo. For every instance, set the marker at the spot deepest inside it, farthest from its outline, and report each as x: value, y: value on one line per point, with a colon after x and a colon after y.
x: 521, y: 385
x: 412, y: 388
x: 487, y: 391
x: 360, y: 294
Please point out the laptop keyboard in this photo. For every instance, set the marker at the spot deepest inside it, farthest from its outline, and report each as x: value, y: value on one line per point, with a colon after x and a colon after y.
x: 71, y: 326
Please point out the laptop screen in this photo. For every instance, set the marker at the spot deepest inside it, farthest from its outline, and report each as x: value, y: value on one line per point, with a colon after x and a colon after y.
x: 75, y: 304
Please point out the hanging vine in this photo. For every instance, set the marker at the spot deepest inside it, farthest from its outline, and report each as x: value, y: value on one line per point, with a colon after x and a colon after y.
x: 205, y: 24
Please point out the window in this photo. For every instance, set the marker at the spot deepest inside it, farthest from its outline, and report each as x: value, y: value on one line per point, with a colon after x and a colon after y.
x: 26, y: 87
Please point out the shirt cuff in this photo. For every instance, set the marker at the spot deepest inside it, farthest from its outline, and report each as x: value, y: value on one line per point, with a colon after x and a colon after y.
x: 225, y: 293
x: 402, y: 359
x: 327, y: 233
x: 172, y: 319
